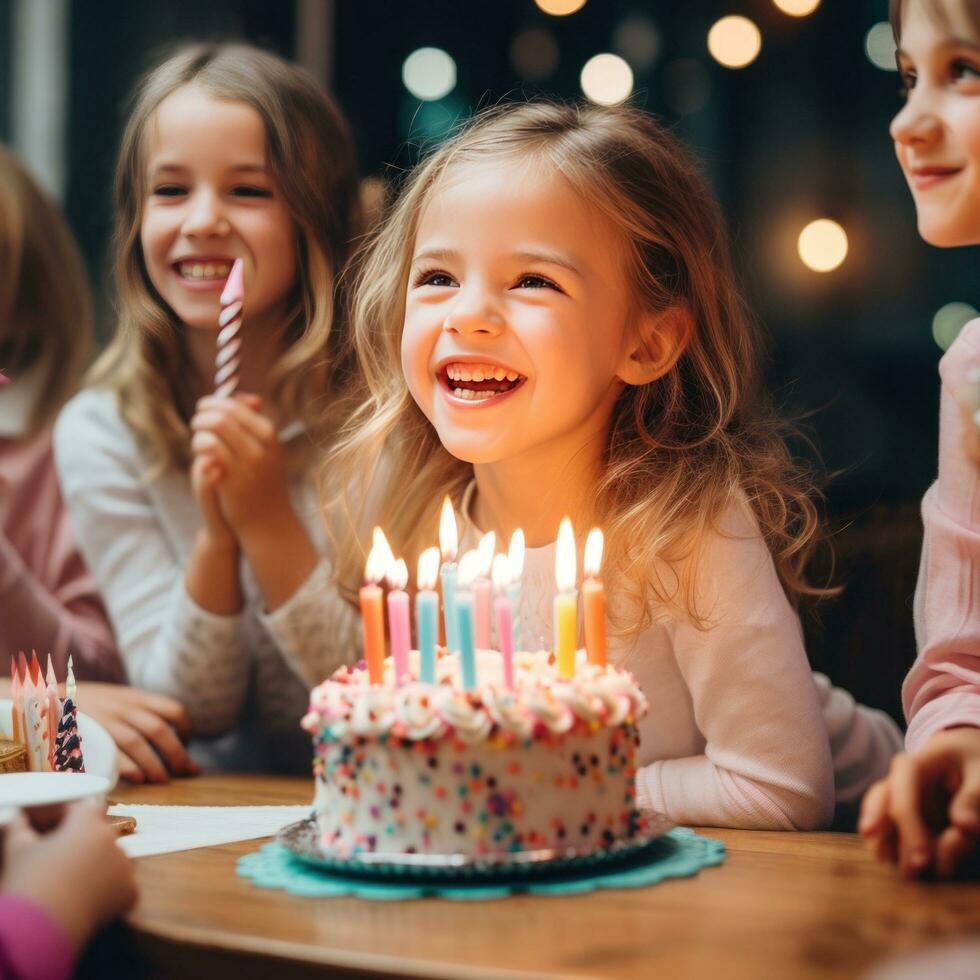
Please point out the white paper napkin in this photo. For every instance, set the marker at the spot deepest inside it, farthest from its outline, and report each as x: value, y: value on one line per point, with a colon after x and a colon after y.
x: 163, y: 829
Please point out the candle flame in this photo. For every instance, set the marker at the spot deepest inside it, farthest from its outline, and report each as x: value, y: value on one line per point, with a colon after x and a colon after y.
x: 448, y: 536
x: 380, y: 542
x: 565, y: 557
x: 501, y: 573
x: 428, y: 569
x: 515, y: 556
x: 376, y: 566
x: 593, y: 554
x: 397, y: 574
x: 485, y: 549
x: 469, y: 569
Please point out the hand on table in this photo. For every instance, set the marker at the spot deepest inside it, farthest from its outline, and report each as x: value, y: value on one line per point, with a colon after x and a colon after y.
x: 925, y: 815
x: 76, y: 873
x: 147, y: 728
x: 240, y: 446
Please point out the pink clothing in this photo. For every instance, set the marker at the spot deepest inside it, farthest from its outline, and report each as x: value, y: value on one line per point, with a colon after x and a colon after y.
x: 32, y: 945
x: 48, y: 599
x: 943, y: 688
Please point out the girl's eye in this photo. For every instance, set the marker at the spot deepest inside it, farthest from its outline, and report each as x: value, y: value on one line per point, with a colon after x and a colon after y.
x: 964, y: 70
x: 434, y: 277
x: 248, y: 191
x: 536, y: 282
x: 168, y: 190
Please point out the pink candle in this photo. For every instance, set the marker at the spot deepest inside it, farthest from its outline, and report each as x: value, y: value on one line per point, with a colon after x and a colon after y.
x: 399, y: 621
x: 482, y: 590
x: 502, y: 610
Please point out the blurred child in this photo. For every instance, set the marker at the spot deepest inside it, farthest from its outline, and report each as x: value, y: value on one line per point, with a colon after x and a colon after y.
x: 926, y: 815
x: 548, y: 324
x: 57, y: 891
x: 198, y: 514
x: 48, y: 598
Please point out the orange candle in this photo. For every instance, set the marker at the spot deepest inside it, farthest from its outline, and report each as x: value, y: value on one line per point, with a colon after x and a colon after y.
x: 372, y: 615
x: 565, y: 602
x: 594, y: 598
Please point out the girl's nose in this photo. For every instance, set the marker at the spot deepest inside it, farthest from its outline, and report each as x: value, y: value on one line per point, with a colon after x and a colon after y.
x: 474, y: 315
x: 205, y: 215
x: 916, y: 123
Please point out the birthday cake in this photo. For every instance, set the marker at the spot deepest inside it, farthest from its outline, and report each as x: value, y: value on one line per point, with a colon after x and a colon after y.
x: 547, y: 763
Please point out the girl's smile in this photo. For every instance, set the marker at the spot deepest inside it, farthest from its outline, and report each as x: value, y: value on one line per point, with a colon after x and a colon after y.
x: 469, y: 383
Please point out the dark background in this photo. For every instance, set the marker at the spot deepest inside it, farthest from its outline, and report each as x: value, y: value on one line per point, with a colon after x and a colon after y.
x: 801, y: 133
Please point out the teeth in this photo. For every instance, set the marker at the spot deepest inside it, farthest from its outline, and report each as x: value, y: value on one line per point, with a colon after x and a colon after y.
x: 498, y: 375
x: 512, y: 375
x: 479, y: 372
x: 204, y: 271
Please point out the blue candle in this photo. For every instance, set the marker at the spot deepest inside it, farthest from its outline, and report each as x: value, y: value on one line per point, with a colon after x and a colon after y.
x: 467, y: 640
x: 427, y: 614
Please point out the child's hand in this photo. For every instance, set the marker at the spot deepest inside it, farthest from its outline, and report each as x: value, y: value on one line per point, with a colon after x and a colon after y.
x: 147, y: 728
x: 205, y: 474
x: 969, y: 401
x: 77, y: 873
x: 925, y: 815
x: 243, y: 444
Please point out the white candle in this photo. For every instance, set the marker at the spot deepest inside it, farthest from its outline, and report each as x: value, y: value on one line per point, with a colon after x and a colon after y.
x: 448, y: 545
x: 482, y: 591
x: 515, y: 562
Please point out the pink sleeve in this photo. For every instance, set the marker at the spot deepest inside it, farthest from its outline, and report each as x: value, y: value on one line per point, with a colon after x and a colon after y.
x: 943, y: 687
x: 766, y: 761
x: 32, y: 945
x: 49, y: 599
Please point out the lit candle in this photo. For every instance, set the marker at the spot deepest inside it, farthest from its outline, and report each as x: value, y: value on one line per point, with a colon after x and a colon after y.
x: 372, y: 616
x: 399, y: 626
x: 501, y: 607
x: 469, y: 566
x: 515, y: 562
x: 448, y: 543
x: 482, y: 591
x: 54, y: 710
x: 565, y: 602
x: 594, y: 599
x: 70, y: 691
x: 427, y: 613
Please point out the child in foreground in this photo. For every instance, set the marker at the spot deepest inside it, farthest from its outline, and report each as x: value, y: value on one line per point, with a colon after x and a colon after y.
x: 50, y: 601
x: 198, y: 514
x: 926, y: 815
x: 548, y: 324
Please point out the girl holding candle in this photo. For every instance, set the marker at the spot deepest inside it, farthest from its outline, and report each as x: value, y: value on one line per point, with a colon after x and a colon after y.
x: 199, y: 515
x: 554, y: 285
x: 925, y: 816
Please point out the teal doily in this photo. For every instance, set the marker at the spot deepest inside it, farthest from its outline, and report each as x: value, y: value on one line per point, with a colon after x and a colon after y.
x: 677, y: 854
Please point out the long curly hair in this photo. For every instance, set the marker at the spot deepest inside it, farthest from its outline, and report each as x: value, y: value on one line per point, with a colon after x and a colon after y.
x: 310, y: 157
x: 680, y: 451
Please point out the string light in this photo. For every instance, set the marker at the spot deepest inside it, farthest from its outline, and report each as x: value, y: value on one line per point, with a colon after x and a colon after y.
x: 879, y: 46
x: 607, y: 79
x: 949, y: 321
x: 734, y: 41
x: 797, y: 8
x: 560, y: 8
x: 822, y: 245
x: 429, y: 74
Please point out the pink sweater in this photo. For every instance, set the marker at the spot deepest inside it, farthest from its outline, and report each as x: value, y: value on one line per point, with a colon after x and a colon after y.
x: 943, y: 687
x: 32, y: 945
x: 48, y: 598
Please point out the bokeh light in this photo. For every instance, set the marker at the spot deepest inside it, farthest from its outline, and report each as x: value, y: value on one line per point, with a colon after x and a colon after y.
x: 560, y: 8
x: 429, y: 74
x: 879, y: 46
x: 949, y: 321
x: 534, y: 54
x: 638, y: 40
x: 822, y: 245
x: 607, y: 79
x: 734, y: 41
x: 797, y: 8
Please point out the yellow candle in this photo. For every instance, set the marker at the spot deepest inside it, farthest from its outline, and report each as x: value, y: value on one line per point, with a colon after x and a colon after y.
x: 594, y: 600
x: 565, y: 600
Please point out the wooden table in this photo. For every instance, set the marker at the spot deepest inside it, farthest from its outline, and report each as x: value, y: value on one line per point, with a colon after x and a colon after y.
x: 783, y: 905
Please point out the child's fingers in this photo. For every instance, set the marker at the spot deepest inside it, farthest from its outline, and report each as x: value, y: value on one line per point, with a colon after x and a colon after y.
x: 964, y: 808
x: 258, y: 426
x: 905, y: 810
x: 163, y: 739
x: 136, y: 747
x: 237, y: 435
x: 209, y: 444
x: 952, y: 848
x: 884, y: 844
x: 874, y: 809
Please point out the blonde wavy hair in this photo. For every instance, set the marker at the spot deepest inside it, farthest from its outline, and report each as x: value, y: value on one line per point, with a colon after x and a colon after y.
x: 45, y: 304
x: 310, y: 157
x: 680, y: 450
x: 938, y: 10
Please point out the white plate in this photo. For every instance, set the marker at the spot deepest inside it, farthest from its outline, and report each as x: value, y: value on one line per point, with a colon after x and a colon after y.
x: 42, y: 788
x: 98, y: 749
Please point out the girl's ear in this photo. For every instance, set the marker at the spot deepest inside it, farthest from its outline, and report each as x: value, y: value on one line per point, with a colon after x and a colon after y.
x: 659, y: 339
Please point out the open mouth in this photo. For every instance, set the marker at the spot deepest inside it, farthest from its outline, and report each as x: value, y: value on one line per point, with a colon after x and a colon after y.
x: 478, y: 382
x: 208, y: 271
